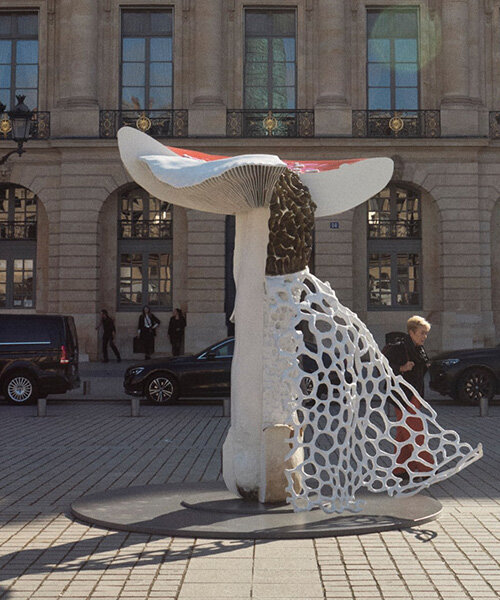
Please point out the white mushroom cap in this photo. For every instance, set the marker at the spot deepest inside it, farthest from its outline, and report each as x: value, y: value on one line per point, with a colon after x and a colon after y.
x: 237, y: 184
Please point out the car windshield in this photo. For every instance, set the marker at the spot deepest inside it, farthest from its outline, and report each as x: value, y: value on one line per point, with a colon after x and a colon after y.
x: 220, y: 349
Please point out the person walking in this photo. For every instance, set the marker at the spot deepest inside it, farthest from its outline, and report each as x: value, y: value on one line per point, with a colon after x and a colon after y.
x: 409, y: 359
x: 146, y: 329
x: 108, y: 336
x: 176, y: 327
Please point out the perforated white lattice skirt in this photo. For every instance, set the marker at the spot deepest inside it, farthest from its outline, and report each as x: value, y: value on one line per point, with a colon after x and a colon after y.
x: 354, y: 422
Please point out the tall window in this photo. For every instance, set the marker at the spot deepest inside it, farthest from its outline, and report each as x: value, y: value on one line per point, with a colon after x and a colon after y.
x: 392, y: 59
x: 18, y: 218
x: 270, y: 67
x: 19, y: 58
x: 145, y: 251
x: 394, y: 249
x: 146, y: 69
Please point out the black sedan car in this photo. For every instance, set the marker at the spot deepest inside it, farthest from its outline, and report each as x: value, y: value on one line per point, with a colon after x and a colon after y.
x: 467, y: 375
x: 163, y: 380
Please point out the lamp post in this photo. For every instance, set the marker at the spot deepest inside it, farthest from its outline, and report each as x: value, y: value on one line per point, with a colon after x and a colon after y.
x: 20, y: 121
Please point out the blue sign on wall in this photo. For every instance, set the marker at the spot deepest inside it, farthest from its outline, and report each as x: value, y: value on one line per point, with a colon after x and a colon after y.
x: 334, y: 225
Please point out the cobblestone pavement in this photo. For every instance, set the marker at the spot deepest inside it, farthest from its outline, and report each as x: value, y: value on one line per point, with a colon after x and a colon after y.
x: 83, y: 447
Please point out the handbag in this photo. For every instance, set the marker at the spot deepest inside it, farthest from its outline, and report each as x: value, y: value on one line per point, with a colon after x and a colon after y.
x: 138, y: 345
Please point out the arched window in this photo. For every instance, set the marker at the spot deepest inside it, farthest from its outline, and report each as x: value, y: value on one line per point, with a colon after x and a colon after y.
x: 145, y: 251
x: 395, y: 249
x: 18, y: 219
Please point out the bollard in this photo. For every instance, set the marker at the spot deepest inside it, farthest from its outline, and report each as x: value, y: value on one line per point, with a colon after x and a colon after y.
x: 135, y: 407
x: 86, y: 388
x: 226, y: 411
x: 483, y: 406
x: 42, y: 407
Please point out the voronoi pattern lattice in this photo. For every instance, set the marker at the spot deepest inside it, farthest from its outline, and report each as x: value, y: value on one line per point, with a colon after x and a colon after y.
x: 351, y: 416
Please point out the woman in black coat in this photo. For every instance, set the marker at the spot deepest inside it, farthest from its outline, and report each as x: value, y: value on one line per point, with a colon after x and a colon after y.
x: 409, y: 359
x: 176, y: 328
x: 146, y: 329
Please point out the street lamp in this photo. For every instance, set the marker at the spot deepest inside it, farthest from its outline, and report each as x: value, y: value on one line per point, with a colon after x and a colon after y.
x: 20, y: 122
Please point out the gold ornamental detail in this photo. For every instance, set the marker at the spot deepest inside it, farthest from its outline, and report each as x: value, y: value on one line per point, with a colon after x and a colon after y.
x: 143, y: 123
x: 5, y: 126
x: 396, y: 124
x: 270, y: 123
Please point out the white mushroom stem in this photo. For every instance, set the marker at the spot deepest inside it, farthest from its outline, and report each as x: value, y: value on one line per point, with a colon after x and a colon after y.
x: 242, y: 448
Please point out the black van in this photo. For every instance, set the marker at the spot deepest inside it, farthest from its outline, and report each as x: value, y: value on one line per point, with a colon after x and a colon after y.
x: 38, y: 356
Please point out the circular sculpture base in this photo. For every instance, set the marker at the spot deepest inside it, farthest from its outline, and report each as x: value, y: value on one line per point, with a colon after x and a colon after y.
x: 209, y: 510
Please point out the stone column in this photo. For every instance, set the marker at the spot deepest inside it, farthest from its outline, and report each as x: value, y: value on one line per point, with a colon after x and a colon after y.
x: 77, y: 112
x: 459, y: 113
x: 332, y: 113
x: 207, y: 114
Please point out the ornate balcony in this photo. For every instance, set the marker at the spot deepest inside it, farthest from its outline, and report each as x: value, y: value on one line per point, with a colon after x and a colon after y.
x: 396, y: 124
x: 270, y: 123
x: 144, y: 230
x: 39, y: 126
x: 17, y: 230
x: 395, y: 229
x: 157, y: 123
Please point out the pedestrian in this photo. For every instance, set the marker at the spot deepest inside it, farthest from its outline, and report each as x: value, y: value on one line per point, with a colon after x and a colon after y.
x: 108, y: 336
x: 146, y: 329
x: 176, y: 328
x: 409, y: 359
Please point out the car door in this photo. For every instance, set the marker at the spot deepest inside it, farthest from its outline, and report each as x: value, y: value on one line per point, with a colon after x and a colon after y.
x: 212, y: 374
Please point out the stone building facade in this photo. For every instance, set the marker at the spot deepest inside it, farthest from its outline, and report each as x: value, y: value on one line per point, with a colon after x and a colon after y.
x: 417, y: 80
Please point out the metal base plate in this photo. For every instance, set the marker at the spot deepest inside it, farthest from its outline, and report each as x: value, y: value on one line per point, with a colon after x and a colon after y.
x: 209, y: 510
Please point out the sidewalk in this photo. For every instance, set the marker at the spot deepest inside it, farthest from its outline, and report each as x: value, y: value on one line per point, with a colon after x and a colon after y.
x: 84, y: 447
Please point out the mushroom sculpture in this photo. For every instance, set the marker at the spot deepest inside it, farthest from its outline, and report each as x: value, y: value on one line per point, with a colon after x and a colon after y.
x: 310, y: 389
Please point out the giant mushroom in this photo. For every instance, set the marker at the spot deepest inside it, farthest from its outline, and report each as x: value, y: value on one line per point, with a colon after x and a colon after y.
x: 309, y: 386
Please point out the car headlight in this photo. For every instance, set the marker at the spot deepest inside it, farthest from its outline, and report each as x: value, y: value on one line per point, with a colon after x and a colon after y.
x: 136, y: 371
x: 449, y: 362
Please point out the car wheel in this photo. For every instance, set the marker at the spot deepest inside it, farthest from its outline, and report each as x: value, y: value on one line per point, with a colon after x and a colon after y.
x: 161, y: 389
x: 21, y: 388
x: 475, y: 384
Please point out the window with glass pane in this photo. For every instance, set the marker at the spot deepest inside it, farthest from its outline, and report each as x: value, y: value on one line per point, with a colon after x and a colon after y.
x: 19, y: 58
x: 147, y: 60
x: 18, y: 221
x: 394, y: 248
x: 18, y: 213
x: 23, y: 283
x: 143, y: 216
x: 270, y: 64
x: 392, y: 59
x: 145, y: 249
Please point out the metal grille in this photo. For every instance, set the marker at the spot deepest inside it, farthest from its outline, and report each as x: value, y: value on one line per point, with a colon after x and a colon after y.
x: 270, y: 123
x: 17, y: 230
x: 396, y: 124
x: 157, y: 123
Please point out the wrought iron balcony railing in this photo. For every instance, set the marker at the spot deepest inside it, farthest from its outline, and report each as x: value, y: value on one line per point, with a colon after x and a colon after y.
x: 495, y: 124
x: 17, y: 230
x: 396, y: 124
x: 395, y: 229
x: 273, y: 123
x: 158, y: 123
x: 39, y: 126
x: 144, y: 230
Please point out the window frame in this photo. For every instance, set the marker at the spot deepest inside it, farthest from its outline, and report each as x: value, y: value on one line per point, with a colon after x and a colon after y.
x: 145, y: 247
x: 392, y: 71
x: 393, y: 247
x: 276, y: 9
x: 147, y: 61
x: 15, y: 37
x: 12, y: 249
